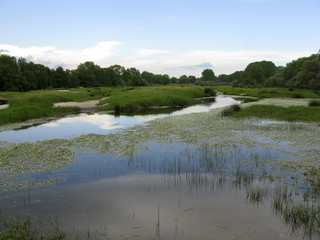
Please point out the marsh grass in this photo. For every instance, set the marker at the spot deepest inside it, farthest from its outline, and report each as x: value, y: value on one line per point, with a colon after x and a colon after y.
x: 133, y: 99
x: 292, y: 113
x: 257, y: 195
x: 39, y: 104
x: 304, y: 216
x: 228, y: 111
x: 29, y: 229
x: 268, y: 92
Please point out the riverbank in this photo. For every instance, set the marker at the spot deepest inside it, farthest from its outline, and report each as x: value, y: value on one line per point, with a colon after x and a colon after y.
x: 52, y: 103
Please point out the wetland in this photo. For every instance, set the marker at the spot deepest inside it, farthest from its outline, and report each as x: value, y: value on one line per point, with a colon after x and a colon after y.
x: 189, y: 174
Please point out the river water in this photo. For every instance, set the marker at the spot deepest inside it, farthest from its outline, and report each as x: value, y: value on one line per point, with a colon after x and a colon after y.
x: 99, y: 123
x: 160, y: 183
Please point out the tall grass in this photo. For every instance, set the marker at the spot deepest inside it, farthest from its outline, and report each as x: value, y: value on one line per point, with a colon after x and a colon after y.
x: 293, y: 113
x: 268, y: 92
x: 29, y: 229
x: 39, y: 104
x: 132, y: 99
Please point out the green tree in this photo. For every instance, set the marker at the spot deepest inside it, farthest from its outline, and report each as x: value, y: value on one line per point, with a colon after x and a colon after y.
x: 257, y: 73
x: 10, y: 76
x: 208, y: 75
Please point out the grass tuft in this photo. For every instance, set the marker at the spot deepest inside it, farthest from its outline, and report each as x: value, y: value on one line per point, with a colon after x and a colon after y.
x: 29, y: 229
x: 293, y: 113
x: 228, y: 111
x: 314, y: 103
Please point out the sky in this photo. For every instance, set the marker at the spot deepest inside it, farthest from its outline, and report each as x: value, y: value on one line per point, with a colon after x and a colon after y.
x: 172, y: 37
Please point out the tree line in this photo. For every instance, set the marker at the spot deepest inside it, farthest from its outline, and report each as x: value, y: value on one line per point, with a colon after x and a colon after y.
x: 20, y: 75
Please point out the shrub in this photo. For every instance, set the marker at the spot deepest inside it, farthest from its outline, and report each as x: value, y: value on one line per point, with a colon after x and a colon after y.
x: 230, y: 110
x: 209, y: 92
x: 297, y: 95
x: 314, y: 103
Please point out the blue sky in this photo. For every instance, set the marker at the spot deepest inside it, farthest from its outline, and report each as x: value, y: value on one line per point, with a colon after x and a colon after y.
x: 174, y: 37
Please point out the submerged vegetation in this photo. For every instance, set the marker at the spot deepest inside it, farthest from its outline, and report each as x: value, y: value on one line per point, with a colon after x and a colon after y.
x: 29, y: 229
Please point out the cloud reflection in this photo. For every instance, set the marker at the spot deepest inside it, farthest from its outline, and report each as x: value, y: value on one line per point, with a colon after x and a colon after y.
x: 103, y: 121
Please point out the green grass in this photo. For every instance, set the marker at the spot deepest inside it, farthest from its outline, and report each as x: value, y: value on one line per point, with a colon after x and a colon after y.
x: 268, y: 92
x: 293, y: 113
x: 132, y: 99
x: 29, y: 229
x: 39, y: 104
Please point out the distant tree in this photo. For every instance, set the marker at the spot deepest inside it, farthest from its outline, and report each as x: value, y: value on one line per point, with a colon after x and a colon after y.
x: 10, y: 77
x: 117, y: 75
x: 192, y: 79
x: 183, y: 79
x: 208, y: 75
x: 257, y: 73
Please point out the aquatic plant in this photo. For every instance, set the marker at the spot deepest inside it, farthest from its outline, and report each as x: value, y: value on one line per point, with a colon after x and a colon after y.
x: 300, y: 216
x: 14, y: 228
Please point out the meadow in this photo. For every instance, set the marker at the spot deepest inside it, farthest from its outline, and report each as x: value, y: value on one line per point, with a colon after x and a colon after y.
x: 39, y: 104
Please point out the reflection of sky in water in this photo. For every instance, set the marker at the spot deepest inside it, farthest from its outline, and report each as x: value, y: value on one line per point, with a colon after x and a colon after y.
x: 97, y: 123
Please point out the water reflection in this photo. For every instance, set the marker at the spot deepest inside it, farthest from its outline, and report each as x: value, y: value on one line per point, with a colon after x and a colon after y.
x: 176, y: 193
x: 98, y: 123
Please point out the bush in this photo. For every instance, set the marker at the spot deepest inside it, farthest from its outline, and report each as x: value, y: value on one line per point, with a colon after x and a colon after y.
x: 230, y: 110
x: 314, y: 103
x: 209, y: 92
x: 297, y: 95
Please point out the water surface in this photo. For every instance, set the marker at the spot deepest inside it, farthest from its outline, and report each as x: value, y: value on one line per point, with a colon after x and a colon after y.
x: 98, y: 123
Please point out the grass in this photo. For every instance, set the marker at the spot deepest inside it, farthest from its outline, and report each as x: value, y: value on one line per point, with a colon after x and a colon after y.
x: 268, y: 92
x: 133, y: 99
x: 29, y: 229
x: 299, y: 216
x: 293, y: 113
x: 39, y: 104
x: 230, y: 110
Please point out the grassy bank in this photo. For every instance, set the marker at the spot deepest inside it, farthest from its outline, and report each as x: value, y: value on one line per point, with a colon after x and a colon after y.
x: 132, y: 99
x: 268, y: 92
x: 39, y: 104
x: 293, y: 113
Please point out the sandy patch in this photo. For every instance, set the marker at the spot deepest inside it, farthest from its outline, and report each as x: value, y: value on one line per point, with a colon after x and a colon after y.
x: 83, y: 105
x: 4, y: 106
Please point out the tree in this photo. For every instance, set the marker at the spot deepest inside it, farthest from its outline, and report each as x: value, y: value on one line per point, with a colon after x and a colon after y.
x: 10, y: 77
x: 257, y: 73
x: 208, y: 75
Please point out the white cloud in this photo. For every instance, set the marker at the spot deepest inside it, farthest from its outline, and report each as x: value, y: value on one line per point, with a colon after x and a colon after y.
x: 70, y: 58
x: 227, y: 62
x: 150, y: 52
x: 152, y: 60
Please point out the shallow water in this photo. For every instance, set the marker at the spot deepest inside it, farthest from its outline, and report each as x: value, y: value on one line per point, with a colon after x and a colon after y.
x: 98, y: 123
x: 164, y: 193
x: 183, y: 177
